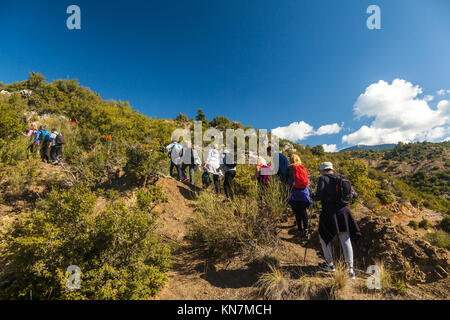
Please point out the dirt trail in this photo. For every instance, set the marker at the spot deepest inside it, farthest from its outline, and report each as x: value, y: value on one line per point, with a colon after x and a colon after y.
x: 194, y: 276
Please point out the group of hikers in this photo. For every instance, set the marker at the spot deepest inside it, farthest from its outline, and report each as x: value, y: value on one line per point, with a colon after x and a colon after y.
x: 48, y: 144
x: 333, y: 191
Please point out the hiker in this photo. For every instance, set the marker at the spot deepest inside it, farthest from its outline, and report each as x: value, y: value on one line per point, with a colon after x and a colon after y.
x: 43, y: 138
x: 228, y: 163
x: 175, y: 151
x: 283, y: 164
x: 263, y: 171
x: 190, y: 160
x: 299, y: 198
x: 56, y: 141
x: 212, y: 165
x: 335, y: 194
x: 31, y: 133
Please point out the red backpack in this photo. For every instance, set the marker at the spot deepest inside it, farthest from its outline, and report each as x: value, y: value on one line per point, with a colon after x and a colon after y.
x: 300, y: 177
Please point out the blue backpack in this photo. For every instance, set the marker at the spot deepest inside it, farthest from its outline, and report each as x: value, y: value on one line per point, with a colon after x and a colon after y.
x: 45, y: 136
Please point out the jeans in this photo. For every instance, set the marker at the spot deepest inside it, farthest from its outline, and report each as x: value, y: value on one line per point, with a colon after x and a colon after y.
x: 191, y: 172
x: 179, y: 170
x: 228, y: 183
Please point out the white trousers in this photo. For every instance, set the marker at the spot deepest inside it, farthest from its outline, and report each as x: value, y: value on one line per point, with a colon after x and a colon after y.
x: 346, y: 246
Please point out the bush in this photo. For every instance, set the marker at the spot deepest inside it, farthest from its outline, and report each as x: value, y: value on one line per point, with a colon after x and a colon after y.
x: 424, y: 224
x: 233, y: 227
x: 445, y: 223
x: 116, y: 250
x: 439, y: 239
x: 385, y: 197
x: 414, y: 224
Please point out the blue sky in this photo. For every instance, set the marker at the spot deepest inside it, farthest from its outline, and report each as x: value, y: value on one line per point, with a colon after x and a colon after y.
x: 265, y: 63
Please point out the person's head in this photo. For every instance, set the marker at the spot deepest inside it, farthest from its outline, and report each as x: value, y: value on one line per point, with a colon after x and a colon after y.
x: 295, y: 159
x: 174, y: 140
x: 261, y: 161
x: 34, y: 126
x: 326, y: 167
x: 269, y: 151
x: 53, y: 130
x: 215, y: 146
x: 41, y: 127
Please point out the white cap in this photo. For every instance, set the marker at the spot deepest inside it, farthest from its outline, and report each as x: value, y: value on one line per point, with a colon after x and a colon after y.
x: 326, y: 166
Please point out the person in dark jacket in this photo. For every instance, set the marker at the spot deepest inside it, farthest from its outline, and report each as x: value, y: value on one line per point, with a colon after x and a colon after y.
x: 299, y: 198
x: 283, y: 164
x: 334, y: 220
x: 190, y: 160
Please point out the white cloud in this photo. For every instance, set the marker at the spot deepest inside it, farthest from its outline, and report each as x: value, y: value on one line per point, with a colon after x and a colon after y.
x: 295, y: 131
x: 443, y: 92
x: 329, y: 147
x: 428, y: 98
x: 328, y: 129
x: 398, y: 115
x: 298, y: 131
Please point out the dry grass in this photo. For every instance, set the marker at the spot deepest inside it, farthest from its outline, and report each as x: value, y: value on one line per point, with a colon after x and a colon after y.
x: 340, y: 285
x: 311, y: 288
x: 274, y: 285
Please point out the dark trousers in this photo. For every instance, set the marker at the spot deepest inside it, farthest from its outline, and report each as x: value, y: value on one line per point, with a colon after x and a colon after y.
x: 45, y: 150
x: 216, y: 182
x: 191, y: 172
x: 55, y: 153
x: 301, y: 217
x: 179, y: 170
x: 228, y: 183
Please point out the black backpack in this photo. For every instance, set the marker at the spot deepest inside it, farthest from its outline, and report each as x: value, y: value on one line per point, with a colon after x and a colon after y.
x: 340, y: 190
x: 59, y: 139
x: 230, y: 160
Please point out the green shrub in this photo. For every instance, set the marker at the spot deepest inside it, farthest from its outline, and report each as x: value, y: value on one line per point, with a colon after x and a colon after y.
x: 445, y: 223
x: 243, y: 183
x: 424, y: 224
x: 116, y: 250
x: 439, y: 238
x: 385, y: 197
x: 414, y: 224
x: 233, y: 227
x: 274, y: 198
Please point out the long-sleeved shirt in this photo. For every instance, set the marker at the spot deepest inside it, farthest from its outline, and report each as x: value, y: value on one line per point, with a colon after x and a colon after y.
x: 283, y: 164
x: 44, y: 134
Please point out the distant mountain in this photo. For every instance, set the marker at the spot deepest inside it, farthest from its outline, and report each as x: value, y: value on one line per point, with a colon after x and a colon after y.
x: 364, y: 147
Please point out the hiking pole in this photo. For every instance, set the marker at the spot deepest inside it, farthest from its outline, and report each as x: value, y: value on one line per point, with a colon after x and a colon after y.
x: 311, y: 208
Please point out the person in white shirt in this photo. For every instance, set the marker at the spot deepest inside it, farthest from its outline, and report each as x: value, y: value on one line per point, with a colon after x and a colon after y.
x: 212, y: 165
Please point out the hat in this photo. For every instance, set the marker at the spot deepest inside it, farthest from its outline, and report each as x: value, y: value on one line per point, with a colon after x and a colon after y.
x: 326, y: 166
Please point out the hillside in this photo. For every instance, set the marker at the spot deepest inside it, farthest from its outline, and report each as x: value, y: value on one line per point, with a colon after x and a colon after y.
x: 364, y: 147
x: 110, y: 208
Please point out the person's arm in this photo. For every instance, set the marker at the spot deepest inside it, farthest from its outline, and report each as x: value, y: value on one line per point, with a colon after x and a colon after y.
x: 290, y: 177
x: 320, y: 190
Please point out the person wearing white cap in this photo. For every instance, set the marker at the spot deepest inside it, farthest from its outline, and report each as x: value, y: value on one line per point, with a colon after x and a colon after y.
x: 335, y: 219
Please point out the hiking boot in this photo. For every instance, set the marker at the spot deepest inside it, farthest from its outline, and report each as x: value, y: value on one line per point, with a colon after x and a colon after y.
x: 326, y: 267
x: 351, y: 274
